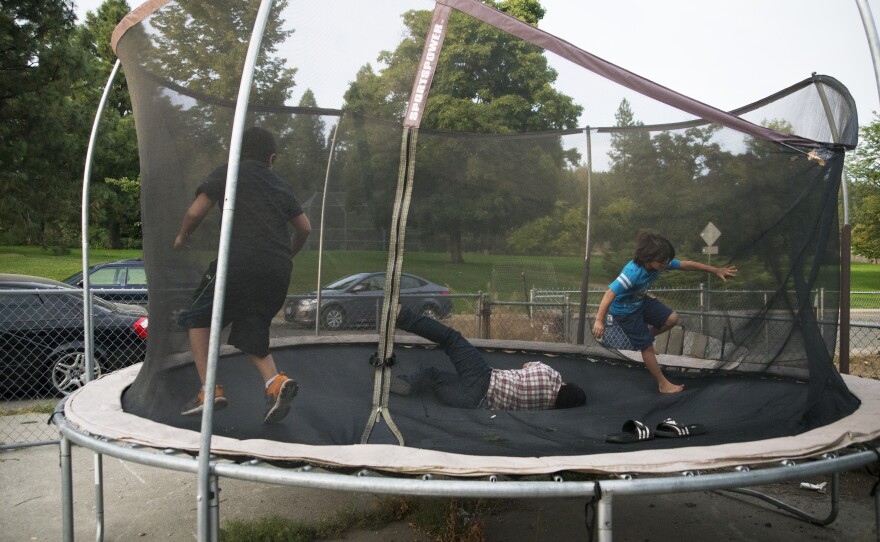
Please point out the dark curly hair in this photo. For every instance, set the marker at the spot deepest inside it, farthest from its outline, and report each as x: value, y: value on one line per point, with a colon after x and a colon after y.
x: 652, y: 247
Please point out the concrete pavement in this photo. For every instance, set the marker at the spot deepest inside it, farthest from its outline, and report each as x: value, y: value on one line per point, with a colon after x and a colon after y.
x: 146, y: 503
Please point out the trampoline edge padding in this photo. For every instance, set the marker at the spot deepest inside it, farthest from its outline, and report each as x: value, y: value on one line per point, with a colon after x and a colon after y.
x: 97, y: 410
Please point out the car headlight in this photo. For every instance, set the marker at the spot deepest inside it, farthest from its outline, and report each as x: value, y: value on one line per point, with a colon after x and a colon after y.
x: 306, y: 303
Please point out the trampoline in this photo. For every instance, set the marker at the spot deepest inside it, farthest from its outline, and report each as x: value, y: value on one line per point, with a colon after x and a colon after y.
x: 439, y: 130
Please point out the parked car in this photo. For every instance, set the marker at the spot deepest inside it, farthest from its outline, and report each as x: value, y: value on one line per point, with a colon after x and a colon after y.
x: 42, y: 345
x: 118, y: 275
x: 125, y: 281
x: 356, y: 299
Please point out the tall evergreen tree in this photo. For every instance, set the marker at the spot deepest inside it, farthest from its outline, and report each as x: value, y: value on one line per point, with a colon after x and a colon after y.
x: 42, y: 129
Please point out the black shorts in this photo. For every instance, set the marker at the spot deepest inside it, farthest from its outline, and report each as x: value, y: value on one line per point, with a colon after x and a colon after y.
x: 254, y: 295
x: 635, y: 326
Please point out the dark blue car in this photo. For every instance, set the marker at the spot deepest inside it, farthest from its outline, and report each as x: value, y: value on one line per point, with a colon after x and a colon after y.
x: 117, y: 276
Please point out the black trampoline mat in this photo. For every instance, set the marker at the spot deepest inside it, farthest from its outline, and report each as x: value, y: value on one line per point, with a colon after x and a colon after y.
x: 336, y: 389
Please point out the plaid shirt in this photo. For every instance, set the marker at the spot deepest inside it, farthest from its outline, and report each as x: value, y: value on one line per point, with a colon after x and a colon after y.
x: 534, y: 387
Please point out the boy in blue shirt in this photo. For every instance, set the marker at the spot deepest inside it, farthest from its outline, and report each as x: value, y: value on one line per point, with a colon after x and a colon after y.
x: 641, y: 317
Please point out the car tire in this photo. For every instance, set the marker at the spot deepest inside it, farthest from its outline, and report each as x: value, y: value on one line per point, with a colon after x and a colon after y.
x: 431, y: 311
x: 68, y: 371
x: 333, y: 318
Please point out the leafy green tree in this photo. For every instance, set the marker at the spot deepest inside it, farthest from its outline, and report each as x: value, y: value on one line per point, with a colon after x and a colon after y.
x: 42, y: 130
x: 486, y: 81
x: 117, y: 224
x: 863, y: 169
x: 184, y: 50
x: 559, y: 233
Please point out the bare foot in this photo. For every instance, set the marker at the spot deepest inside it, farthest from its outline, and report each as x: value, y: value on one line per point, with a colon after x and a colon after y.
x: 669, y: 387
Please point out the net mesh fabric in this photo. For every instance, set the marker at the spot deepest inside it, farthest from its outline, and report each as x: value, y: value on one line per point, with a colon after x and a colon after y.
x: 496, y: 174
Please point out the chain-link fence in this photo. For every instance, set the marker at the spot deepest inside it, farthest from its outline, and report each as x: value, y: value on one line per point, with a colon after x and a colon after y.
x: 42, y: 340
x: 42, y: 351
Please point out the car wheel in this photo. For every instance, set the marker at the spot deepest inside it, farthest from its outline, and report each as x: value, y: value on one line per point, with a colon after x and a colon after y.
x: 431, y: 311
x: 333, y: 318
x: 69, y: 371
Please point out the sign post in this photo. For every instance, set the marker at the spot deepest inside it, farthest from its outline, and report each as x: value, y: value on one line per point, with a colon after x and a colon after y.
x: 710, y: 234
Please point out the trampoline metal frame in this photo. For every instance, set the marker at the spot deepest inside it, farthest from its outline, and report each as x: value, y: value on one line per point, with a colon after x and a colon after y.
x: 600, y: 493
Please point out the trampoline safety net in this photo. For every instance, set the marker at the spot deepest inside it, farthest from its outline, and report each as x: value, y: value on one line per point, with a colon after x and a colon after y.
x: 495, y: 177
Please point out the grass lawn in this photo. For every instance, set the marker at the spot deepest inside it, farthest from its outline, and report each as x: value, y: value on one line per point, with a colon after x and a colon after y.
x: 865, y: 277
x: 42, y: 263
x: 473, y: 276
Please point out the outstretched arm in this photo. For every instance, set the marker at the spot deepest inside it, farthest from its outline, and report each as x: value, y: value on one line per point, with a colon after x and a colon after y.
x: 720, y: 272
x: 192, y: 218
x: 604, y: 305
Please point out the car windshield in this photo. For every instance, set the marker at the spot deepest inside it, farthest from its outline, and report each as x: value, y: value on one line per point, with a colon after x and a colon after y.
x: 76, y: 277
x: 344, y: 282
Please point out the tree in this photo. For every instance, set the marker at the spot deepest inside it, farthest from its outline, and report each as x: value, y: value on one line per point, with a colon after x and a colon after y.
x: 487, y: 81
x: 306, y: 160
x: 184, y: 51
x: 42, y: 133
x: 863, y: 170
x: 115, y: 206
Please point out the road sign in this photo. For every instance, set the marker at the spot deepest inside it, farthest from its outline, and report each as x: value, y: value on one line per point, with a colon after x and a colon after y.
x: 710, y: 234
x: 710, y: 250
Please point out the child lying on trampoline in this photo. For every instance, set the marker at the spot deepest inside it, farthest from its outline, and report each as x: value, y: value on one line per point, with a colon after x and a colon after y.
x: 640, y: 317
x: 475, y: 384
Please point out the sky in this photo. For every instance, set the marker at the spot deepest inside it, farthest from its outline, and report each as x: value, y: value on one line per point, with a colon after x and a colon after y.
x: 722, y: 52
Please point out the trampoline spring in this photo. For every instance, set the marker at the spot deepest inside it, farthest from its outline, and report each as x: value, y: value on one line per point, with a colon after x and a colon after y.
x: 787, y: 463
x: 253, y: 462
x: 558, y: 478
x: 688, y: 473
x: 829, y: 455
x: 169, y: 451
x: 625, y: 476
x: 742, y: 468
x: 427, y: 477
x: 493, y: 478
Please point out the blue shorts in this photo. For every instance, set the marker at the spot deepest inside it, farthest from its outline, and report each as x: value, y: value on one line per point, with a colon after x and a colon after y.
x: 635, y: 326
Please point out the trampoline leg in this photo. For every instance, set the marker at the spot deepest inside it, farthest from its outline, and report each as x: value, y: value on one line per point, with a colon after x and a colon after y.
x: 603, y: 518
x: 99, y: 497
x: 877, y: 512
x: 214, y: 508
x: 66, y: 490
x: 832, y: 515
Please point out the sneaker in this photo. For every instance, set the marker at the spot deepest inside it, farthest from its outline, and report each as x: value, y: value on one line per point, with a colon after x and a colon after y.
x: 279, y: 395
x: 399, y: 386
x: 197, y: 404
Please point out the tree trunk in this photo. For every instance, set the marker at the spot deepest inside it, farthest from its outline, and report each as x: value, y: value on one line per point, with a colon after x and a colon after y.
x: 114, y: 231
x: 455, y: 247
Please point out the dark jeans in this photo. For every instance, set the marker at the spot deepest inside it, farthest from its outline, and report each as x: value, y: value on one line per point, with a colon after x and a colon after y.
x: 466, y: 388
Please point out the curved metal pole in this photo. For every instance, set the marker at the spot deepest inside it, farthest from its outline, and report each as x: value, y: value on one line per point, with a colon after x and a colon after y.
x: 205, y: 496
x: 845, y: 279
x: 88, y: 326
x: 585, y: 277
x: 321, y: 235
x: 871, y: 33
x: 87, y: 174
